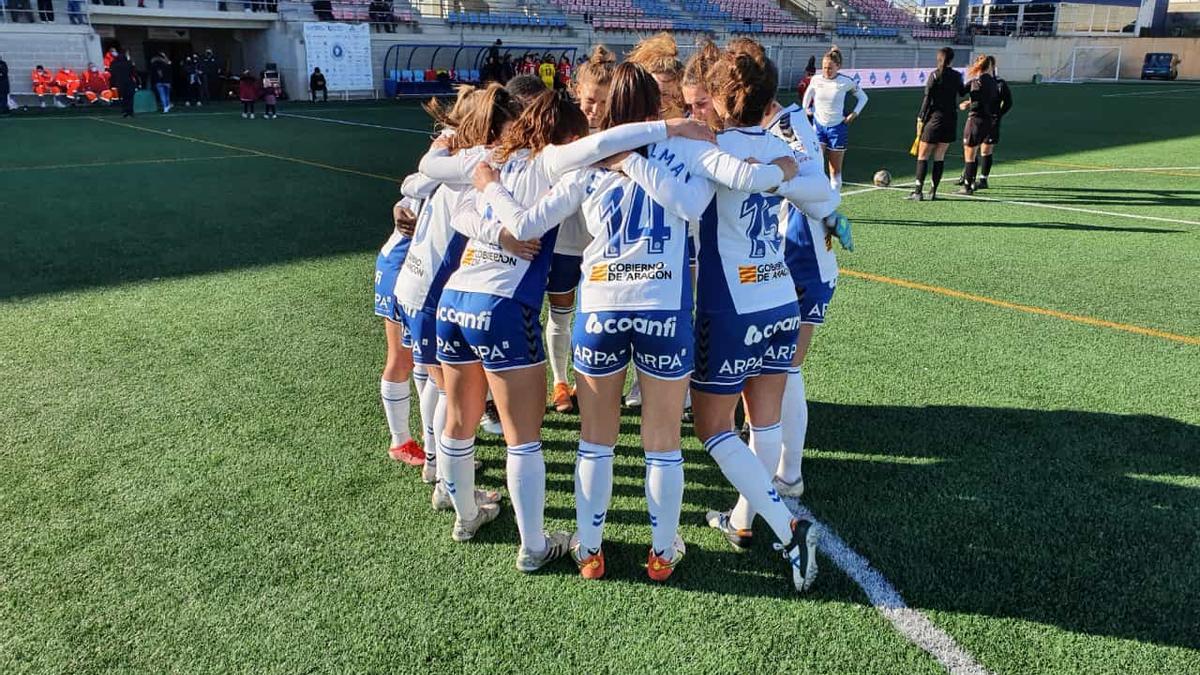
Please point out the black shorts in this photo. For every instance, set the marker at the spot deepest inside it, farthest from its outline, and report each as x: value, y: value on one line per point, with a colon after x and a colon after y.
x: 993, y: 135
x: 940, y: 128
x: 976, y: 130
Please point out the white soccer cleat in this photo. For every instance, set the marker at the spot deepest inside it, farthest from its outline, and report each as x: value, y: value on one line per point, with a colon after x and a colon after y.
x: 557, y: 545
x: 440, y: 501
x: 429, y: 472
x: 490, y: 422
x: 634, y: 398
x: 465, y: 530
x: 801, y: 554
x: 788, y: 489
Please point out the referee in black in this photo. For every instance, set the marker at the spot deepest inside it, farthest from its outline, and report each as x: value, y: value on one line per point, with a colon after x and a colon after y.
x: 937, y: 121
x: 1000, y: 107
x: 983, y: 99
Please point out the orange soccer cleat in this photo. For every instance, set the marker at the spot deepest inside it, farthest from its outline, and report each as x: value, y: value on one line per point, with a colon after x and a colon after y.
x: 561, y: 398
x: 660, y: 568
x: 408, y: 452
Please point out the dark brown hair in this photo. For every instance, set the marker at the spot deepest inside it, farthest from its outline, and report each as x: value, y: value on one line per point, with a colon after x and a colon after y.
x: 551, y: 119
x: 695, y: 73
x: 744, y: 86
x: 633, y: 96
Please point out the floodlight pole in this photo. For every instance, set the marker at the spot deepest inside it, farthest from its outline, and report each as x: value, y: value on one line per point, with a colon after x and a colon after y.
x: 961, y: 19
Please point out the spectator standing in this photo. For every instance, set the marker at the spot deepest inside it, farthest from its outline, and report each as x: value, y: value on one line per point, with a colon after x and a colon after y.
x: 4, y: 87
x: 269, y: 86
x: 75, y: 12
x: 46, y: 10
x: 124, y: 78
x: 160, y: 77
x: 208, y: 75
x: 323, y: 9
x: 247, y: 92
x: 316, y: 82
x: 19, y: 9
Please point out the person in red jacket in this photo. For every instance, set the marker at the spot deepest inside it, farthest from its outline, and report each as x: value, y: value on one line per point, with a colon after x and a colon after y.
x: 95, y: 85
x: 43, y: 84
x: 248, y: 93
x: 67, y: 81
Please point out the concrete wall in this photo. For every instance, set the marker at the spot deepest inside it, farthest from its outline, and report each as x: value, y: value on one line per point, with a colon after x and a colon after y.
x: 25, y: 45
x: 1022, y: 57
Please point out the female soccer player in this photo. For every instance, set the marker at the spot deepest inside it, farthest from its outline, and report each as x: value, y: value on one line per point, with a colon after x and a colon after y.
x: 477, y: 118
x: 697, y: 102
x: 659, y: 55
x: 979, y: 107
x: 747, y: 317
x: 637, y: 299
x: 937, y: 121
x: 1001, y: 106
x: 393, y: 385
x: 488, y: 331
x: 591, y: 90
x: 826, y: 97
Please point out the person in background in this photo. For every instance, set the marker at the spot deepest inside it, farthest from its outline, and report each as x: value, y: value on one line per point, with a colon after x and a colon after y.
x: 809, y: 71
x: 269, y: 86
x: 4, y: 87
x: 208, y: 75
x: 124, y: 78
x: 247, y: 92
x: 564, y: 73
x: 160, y: 78
x: 95, y: 85
x: 191, y: 74
x: 43, y: 83
x: 547, y: 71
x: 983, y: 93
x: 1000, y: 107
x: 109, y: 56
x: 67, y: 82
x: 937, y: 122
x: 46, y: 10
x: 75, y: 12
x: 316, y: 82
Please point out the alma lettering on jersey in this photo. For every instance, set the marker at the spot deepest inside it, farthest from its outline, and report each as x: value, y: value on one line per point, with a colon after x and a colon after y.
x: 630, y: 272
x: 654, y: 328
x: 754, y: 274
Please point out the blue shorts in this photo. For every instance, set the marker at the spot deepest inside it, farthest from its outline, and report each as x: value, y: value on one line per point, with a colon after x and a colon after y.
x: 659, y: 342
x: 731, y: 347
x: 814, y: 300
x: 387, y: 267
x: 565, y: 271
x: 500, y: 332
x: 420, y: 334
x: 834, y: 137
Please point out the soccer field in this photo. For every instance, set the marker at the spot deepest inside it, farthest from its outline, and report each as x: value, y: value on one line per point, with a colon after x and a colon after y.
x: 1004, y: 444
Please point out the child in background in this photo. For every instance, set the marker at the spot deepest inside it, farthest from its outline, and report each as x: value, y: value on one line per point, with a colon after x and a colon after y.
x: 247, y: 92
x: 270, y: 90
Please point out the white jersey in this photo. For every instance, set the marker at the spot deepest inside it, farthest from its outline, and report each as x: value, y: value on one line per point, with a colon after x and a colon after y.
x: 573, y: 236
x: 807, y: 248
x: 638, y: 258
x: 741, y: 254
x: 485, y: 267
x: 827, y: 97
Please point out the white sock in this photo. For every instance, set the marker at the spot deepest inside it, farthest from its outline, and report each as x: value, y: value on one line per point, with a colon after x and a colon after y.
x: 835, y: 181
x: 747, y: 475
x: 439, y: 424
x: 429, y: 395
x: 395, y: 405
x: 593, y: 491
x: 456, y: 460
x: 795, y: 427
x: 664, y: 497
x: 765, y: 443
x: 558, y: 341
x: 526, y: 469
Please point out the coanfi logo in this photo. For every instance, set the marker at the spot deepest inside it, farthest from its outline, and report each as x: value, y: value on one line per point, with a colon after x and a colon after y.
x: 638, y: 324
x: 480, y: 321
x: 755, y: 335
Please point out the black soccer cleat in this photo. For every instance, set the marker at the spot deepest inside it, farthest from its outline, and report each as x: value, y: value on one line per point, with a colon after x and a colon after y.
x: 981, y: 184
x: 801, y: 553
x: 961, y: 181
x: 739, y: 539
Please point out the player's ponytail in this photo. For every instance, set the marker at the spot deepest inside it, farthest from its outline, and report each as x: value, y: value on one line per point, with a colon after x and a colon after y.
x: 598, y: 69
x: 945, y: 57
x: 450, y: 117
x: 835, y: 55
x: 979, y: 67
x: 490, y: 109
x: 744, y: 87
x: 551, y: 119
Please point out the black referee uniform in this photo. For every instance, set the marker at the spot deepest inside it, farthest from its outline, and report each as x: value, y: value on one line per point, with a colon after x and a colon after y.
x: 939, y: 122
x: 984, y: 97
x: 1000, y: 107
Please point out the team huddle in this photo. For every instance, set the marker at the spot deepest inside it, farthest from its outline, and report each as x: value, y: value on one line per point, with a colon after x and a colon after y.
x: 680, y: 220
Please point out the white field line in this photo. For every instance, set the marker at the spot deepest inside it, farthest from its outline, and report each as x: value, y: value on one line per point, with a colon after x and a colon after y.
x: 859, y: 192
x: 428, y: 133
x: 1186, y: 88
x: 1110, y: 170
x: 231, y: 112
x: 1058, y: 207
x: 913, y: 625
x: 123, y: 162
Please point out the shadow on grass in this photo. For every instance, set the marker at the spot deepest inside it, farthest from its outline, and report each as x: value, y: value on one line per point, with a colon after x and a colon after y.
x: 1085, y: 521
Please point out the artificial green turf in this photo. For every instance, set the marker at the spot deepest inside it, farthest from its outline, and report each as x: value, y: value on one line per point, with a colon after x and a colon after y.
x: 194, y: 476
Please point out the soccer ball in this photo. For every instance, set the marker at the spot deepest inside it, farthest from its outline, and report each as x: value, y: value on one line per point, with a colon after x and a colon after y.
x: 883, y: 178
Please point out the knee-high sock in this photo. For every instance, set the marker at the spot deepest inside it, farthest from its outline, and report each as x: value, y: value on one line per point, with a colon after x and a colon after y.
x: 664, y: 497
x: 922, y: 167
x: 456, y: 461
x: 835, y: 181
x: 939, y: 166
x: 765, y: 443
x: 969, y: 173
x: 526, y: 469
x: 439, y: 426
x: 429, y: 401
x: 795, y: 427
x: 748, y: 476
x: 593, y: 491
x: 558, y: 341
x: 985, y: 166
x: 395, y: 406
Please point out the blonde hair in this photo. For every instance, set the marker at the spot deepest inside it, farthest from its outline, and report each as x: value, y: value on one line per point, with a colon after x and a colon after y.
x: 450, y: 116
x: 980, y: 65
x: 657, y: 54
x: 484, y: 116
x: 834, y: 54
x: 598, y: 69
x: 550, y: 119
x: 695, y: 72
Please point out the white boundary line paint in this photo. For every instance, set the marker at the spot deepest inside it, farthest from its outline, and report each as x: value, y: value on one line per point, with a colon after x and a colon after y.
x: 859, y: 192
x: 1175, y: 90
x: 429, y: 133
x: 182, y: 115
x: 910, y: 623
x: 1062, y: 171
x: 123, y: 162
x: 1094, y: 212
